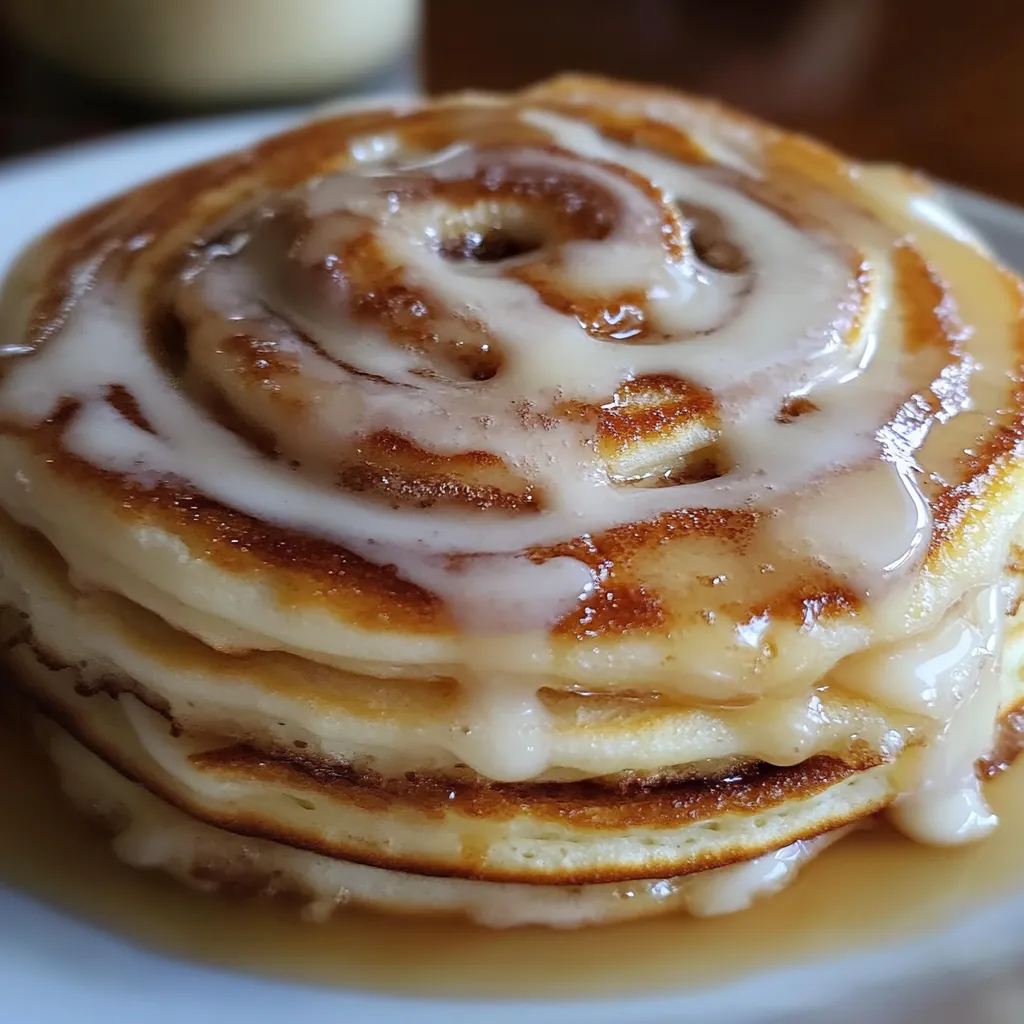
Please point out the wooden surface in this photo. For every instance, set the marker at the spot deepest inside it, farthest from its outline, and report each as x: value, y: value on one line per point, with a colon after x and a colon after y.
x: 933, y: 83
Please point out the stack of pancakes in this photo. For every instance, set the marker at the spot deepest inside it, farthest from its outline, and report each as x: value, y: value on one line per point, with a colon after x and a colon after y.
x: 549, y: 508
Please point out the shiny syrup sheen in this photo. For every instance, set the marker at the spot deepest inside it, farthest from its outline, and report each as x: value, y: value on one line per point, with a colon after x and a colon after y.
x: 870, y: 885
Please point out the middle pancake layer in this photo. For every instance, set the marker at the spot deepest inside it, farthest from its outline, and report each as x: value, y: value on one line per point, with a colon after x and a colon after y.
x: 274, y: 700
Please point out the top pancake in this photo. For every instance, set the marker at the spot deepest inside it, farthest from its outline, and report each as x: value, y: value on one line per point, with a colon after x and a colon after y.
x: 764, y: 504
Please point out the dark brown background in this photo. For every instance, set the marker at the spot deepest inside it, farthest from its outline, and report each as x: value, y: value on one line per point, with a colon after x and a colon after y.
x: 934, y: 83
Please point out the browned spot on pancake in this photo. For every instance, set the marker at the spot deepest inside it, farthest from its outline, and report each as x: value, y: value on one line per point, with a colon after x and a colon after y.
x: 932, y: 359
x: 649, y: 414
x: 252, y: 363
x: 621, y: 603
x: 618, y: 317
x: 411, y: 316
x: 124, y: 402
x: 651, y: 407
x: 793, y: 408
x: 261, y: 363
x: 393, y: 467
x: 1015, y: 567
x: 1015, y: 564
x: 635, y: 129
x: 734, y: 527
x: 292, y: 156
x: 586, y: 804
x: 248, y: 365
x: 984, y: 469
x: 572, y: 205
x: 303, y: 570
x: 814, y: 596
x: 930, y: 317
x: 612, y: 609
x: 854, y: 307
x: 1009, y: 742
x: 816, y: 599
x: 790, y: 155
x: 388, y: 441
x: 432, y: 130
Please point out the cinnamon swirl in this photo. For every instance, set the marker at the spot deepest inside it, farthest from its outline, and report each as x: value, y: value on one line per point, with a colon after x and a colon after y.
x: 551, y: 507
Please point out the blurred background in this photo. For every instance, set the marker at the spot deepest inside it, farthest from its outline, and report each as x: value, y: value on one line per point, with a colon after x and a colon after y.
x: 933, y: 83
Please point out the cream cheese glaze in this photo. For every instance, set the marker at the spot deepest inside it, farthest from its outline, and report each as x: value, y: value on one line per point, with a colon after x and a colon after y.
x: 953, y: 673
x: 843, y: 348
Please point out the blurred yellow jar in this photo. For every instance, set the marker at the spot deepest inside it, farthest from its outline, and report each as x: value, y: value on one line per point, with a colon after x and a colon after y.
x: 216, y: 51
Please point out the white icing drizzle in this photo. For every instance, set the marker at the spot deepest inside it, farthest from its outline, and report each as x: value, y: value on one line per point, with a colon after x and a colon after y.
x: 949, y: 676
x: 800, y: 283
x: 504, y: 732
x: 953, y: 675
x: 731, y: 889
x: 753, y: 339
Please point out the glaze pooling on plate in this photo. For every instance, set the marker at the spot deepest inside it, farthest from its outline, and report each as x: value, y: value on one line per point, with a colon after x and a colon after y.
x: 580, y: 486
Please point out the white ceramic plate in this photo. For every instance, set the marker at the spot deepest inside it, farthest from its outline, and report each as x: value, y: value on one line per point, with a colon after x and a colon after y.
x: 55, y: 970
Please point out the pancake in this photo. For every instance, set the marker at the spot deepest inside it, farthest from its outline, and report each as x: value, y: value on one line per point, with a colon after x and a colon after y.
x: 151, y: 833
x: 589, y: 500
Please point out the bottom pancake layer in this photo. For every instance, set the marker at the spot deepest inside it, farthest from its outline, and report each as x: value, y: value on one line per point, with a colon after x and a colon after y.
x: 150, y: 833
